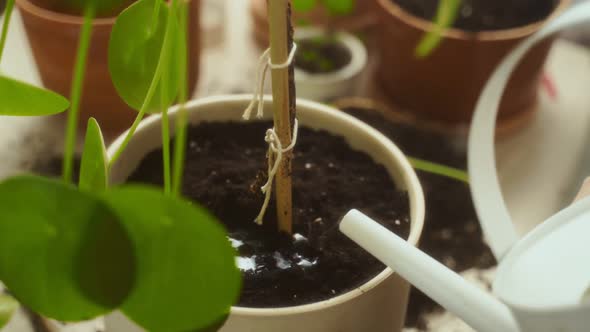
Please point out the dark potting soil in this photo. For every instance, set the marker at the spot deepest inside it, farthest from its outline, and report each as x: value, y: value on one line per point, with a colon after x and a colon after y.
x: 321, y: 55
x: 452, y: 234
x: 225, y: 169
x: 485, y: 15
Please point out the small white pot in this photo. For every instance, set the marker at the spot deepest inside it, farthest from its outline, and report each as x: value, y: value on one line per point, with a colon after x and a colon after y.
x: 377, y: 306
x: 343, y: 82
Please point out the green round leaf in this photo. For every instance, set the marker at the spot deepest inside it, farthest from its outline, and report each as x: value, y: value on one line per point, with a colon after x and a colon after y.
x: 304, y: 6
x: 21, y: 99
x: 134, y: 53
x: 93, y: 169
x: 188, y: 276
x: 339, y: 7
x: 8, y: 306
x: 62, y: 252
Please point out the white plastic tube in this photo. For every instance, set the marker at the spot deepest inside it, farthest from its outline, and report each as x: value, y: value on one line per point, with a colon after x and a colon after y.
x: 475, y: 306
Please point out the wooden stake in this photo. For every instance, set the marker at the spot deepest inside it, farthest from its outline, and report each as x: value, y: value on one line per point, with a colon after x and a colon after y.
x: 283, y: 91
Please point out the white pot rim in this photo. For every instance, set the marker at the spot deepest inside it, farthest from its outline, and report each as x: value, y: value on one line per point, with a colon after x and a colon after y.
x: 415, y: 193
x: 358, y: 57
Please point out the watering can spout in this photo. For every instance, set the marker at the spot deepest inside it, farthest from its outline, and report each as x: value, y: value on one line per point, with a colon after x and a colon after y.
x: 475, y: 306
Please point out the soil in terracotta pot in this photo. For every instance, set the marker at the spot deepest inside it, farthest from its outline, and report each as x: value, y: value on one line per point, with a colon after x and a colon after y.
x: 485, y: 15
x: 224, y: 172
x: 452, y: 234
x: 321, y: 55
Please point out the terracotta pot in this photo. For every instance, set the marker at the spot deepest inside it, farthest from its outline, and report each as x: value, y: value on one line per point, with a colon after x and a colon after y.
x: 364, y: 18
x: 445, y: 85
x: 53, y: 38
x: 378, y: 305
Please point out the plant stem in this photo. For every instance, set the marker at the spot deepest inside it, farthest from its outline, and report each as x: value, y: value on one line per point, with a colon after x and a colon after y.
x: 182, y: 121
x: 283, y: 90
x: 76, y: 94
x: 438, y: 169
x: 151, y: 90
x: 7, y: 16
x: 156, y: 15
x: 446, y: 15
x: 165, y: 135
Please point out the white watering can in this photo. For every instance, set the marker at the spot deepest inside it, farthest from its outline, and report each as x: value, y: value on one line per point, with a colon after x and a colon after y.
x: 543, y: 280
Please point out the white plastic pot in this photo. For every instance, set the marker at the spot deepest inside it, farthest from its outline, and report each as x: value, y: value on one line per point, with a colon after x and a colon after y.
x: 344, y: 82
x: 377, y: 306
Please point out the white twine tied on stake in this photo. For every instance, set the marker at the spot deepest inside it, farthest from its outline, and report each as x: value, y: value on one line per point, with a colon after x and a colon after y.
x: 275, y: 147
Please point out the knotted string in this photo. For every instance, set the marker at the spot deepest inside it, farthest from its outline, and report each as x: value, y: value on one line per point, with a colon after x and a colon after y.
x: 275, y: 147
x: 263, y: 64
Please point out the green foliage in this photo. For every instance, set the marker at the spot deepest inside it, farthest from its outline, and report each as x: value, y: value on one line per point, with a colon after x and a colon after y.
x: 182, y: 120
x: 9, y: 7
x: 75, y: 253
x: 446, y: 15
x: 438, y: 169
x: 93, y: 169
x: 334, y: 7
x: 8, y: 306
x: 185, y: 262
x: 62, y: 252
x: 304, y: 6
x: 143, y: 43
x: 21, y: 99
x: 76, y: 95
x: 339, y: 7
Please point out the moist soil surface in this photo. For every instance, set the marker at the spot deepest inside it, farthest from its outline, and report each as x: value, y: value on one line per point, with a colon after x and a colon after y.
x: 452, y: 234
x: 321, y: 55
x: 486, y: 15
x: 225, y: 169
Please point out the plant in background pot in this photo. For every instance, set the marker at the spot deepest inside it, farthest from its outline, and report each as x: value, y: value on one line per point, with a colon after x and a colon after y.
x: 445, y: 85
x: 74, y: 252
x: 53, y: 27
x: 328, y: 64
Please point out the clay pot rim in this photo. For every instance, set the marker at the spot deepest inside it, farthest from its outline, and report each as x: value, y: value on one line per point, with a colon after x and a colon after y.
x: 504, y: 129
x: 50, y: 15
x: 404, y: 118
x: 393, y: 9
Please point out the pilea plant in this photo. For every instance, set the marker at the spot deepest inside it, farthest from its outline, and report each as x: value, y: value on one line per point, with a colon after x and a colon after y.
x: 76, y: 252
